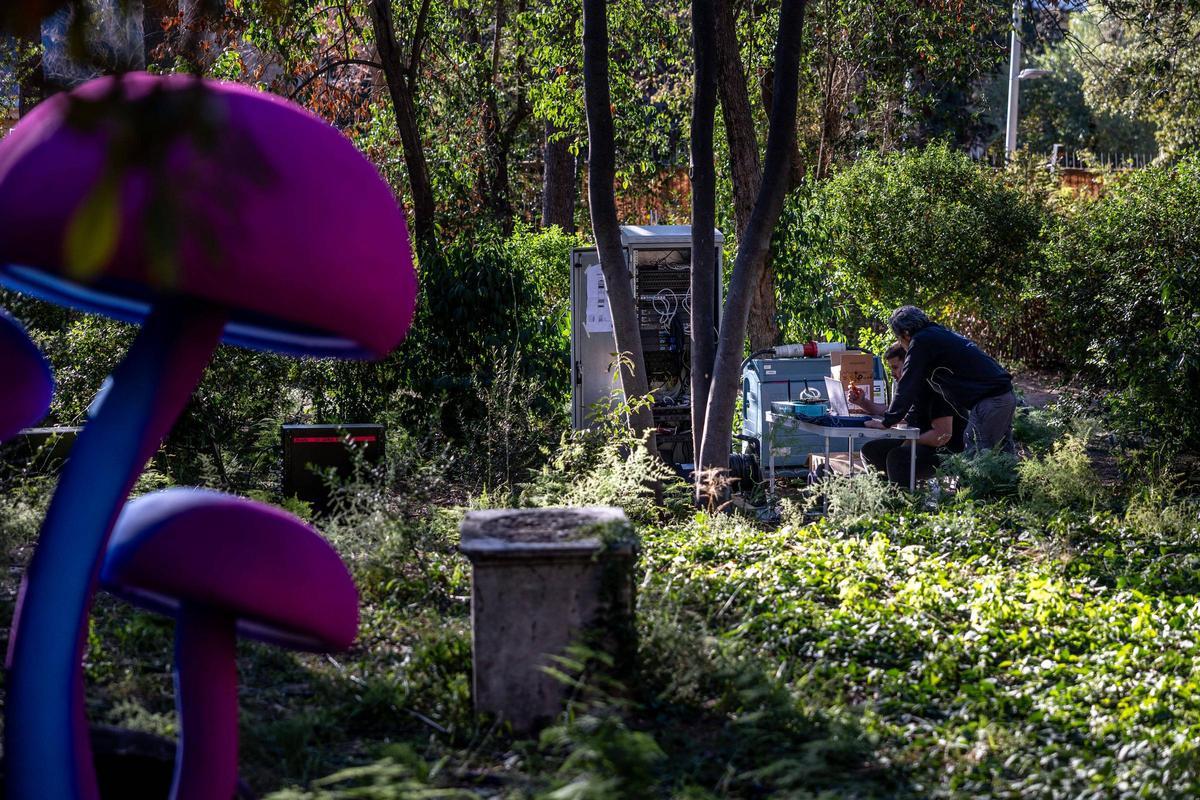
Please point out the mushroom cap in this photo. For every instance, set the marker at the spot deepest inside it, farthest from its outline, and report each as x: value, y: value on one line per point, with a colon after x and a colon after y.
x: 128, y: 189
x: 28, y: 384
x: 273, y: 573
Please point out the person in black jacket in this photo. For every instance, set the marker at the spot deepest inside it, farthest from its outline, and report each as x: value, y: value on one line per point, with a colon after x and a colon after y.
x: 970, y: 381
x: 941, y: 429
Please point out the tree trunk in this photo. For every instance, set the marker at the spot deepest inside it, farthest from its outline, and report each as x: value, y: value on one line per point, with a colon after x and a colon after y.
x: 743, y: 165
x: 402, y: 84
x: 498, y: 133
x: 602, y: 204
x: 558, y: 181
x: 704, y: 202
x: 739, y: 119
x: 753, y: 246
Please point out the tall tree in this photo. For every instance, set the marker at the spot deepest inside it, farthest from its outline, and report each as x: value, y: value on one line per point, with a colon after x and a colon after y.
x: 401, y: 71
x: 704, y: 200
x: 753, y: 246
x: 742, y: 140
x: 1142, y: 60
x: 603, y: 208
x: 558, y: 179
x: 499, y: 127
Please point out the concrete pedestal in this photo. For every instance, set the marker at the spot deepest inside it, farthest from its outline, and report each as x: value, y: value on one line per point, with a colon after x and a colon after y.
x: 543, y: 579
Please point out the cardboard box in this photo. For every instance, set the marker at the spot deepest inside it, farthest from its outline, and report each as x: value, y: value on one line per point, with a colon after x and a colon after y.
x: 859, y: 368
x: 856, y: 367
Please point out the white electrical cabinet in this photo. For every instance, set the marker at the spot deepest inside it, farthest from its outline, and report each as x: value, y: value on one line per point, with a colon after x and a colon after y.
x: 660, y: 260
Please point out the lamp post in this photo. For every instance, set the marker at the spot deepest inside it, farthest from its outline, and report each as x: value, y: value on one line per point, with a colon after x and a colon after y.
x: 1015, y: 76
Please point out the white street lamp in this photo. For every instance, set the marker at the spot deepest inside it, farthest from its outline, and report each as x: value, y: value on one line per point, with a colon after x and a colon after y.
x: 1015, y: 76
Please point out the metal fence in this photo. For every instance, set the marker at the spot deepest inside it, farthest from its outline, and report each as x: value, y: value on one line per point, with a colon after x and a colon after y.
x: 1066, y: 158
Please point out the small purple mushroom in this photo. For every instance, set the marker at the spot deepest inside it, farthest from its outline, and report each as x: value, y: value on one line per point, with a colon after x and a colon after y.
x: 207, y: 212
x: 28, y: 384
x: 223, y: 565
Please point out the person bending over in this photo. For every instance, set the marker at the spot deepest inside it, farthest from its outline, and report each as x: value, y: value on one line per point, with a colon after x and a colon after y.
x: 941, y: 429
x: 954, y: 368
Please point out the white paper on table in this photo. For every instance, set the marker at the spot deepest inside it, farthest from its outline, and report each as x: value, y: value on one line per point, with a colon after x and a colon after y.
x: 597, y: 317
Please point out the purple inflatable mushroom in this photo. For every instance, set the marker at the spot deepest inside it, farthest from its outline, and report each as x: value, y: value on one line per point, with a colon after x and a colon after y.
x: 221, y: 566
x: 28, y: 385
x: 207, y: 212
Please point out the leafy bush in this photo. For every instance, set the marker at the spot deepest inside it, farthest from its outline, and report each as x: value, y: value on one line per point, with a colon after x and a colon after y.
x: 401, y: 773
x: 590, y: 469
x: 926, y: 227
x: 1037, y: 428
x: 989, y: 475
x: 1062, y: 479
x: 863, y: 494
x: 227, y: 435
x: 1123, y: 285
x: 1159, y: 513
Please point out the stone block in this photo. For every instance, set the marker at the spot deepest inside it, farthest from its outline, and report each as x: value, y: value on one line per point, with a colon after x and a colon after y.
x: 543, y: 579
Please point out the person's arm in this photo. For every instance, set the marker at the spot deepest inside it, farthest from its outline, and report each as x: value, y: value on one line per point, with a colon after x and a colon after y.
x: 908, y: 388
x: 858, y: 396
x: 939, y: 434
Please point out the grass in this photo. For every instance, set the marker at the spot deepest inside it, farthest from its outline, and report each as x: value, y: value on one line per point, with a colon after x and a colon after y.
x: 978, y: 649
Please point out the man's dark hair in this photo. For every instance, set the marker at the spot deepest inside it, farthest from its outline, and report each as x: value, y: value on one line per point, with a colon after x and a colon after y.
x: 895, y: 351
x: 907, y: 320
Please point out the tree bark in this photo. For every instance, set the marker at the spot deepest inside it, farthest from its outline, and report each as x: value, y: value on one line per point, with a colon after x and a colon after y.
x: 498, y: 133
x: 558, y: 180
x: 743, y: 165
x: 753, y: 246
x: 602, y: 203
x: 704, y: 202
x: 401, y: 77
x: 738, y: 117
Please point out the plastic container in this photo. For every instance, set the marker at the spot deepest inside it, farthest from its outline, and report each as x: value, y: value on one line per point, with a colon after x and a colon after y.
x: 811, y: 409
x: 809, y: 349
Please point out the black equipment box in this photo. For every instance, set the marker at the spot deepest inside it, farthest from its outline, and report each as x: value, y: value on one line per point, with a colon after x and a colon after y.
x: 309, y: 451
x: 41, y: 449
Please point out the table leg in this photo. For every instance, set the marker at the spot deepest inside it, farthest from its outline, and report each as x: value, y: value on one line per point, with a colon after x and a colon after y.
x: 770, y: 435
x: 828, y: 473
x: 850, y: 455
x: 912, y: 467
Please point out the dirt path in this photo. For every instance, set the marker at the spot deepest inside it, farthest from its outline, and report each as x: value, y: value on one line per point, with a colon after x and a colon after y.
x: 1038, y: 389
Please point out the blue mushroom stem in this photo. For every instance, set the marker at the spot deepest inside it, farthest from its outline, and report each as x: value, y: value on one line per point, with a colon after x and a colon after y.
x: 46, y: 746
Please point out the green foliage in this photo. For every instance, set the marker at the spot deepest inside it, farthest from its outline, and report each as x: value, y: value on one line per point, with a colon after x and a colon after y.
x: 1063, y: 478
x: 591, y: 469
x: 863, y: 494
x: 400, y: 775
x: 650, y: 80
x: 925, y: 227
x: 1159, y: 512
x: 1037, y: 429
x: 984, y: 667
x: 989, y: 475
x: 477, y: 298
x: 1140, y: 61
x: 601, y: 758
x: 1063, y: 107
x: 1124, y: 288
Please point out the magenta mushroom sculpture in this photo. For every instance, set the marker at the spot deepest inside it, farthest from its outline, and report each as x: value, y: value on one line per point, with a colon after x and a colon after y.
x: 206, y: 212
x: 224, y: 566
x: 28, y: 384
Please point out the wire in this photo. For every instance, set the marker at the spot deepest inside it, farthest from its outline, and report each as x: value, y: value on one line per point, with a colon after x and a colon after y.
x: 665, y: 304
x: 756, y: 354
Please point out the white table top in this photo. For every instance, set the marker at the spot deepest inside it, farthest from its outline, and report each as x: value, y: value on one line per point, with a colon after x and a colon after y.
x: 829, y: 432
